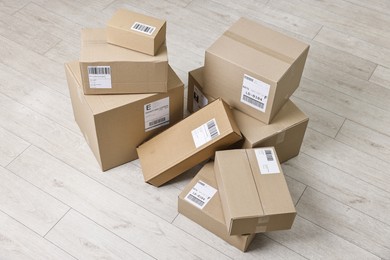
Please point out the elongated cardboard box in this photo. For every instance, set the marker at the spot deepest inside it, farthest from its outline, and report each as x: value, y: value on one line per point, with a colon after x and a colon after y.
x: 200, y: 202
x: 136, y: 31
x: 254, y: 68
x: 110, y: 69
x: 254, y: 193
x: 114, y: 125
x: 285, y: 132
x: 188, y: 143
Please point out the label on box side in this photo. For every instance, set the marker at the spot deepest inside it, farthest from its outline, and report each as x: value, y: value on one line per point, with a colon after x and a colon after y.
x: 200, y: 194
x: 99, y: 76
x: 254, y: 93
x: 205, y: 133
x: 199, y: 100
x: 266, y: 160
x: 156, y: 114
x: 143, y: 28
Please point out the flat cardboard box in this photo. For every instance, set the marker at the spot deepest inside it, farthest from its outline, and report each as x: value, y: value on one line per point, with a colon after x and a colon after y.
x: 188, y: 143
x: 195, y: 205
x: 255, y: 177
x: 285, y: 132
x: 110, y: 69
x: 114, y: 125
x: 136, y: 31
x: 254, y: 68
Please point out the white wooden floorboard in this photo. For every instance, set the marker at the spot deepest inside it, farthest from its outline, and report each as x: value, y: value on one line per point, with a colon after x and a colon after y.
x: 381, y: 76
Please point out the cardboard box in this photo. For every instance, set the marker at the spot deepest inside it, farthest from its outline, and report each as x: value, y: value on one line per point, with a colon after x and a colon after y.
x: 200, y: 202
x: 188, y: 143
x: 110, y: 69
x: 253, y: 176
x: 136, y: 31
x: 285, y: 132
x: 114, y: 125
x: 253, y: 68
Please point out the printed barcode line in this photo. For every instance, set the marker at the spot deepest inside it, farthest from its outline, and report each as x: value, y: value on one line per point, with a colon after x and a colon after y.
x: 253, y: 101
x: 268, y: 153
x: 158, y: 121
x: 99, y: 70
x: 248, y: 78
x: 195, y: 199
x: 211, y: 126
x: 143, y: 28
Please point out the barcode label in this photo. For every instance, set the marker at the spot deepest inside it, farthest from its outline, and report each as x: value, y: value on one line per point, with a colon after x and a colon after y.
x: 254, y: 93
x: 205, y: 133
x: 99, y: 76
x: 199, y: 100
x: 143, y: 28
x: 267, y: 161
x: 200, y: 194
x: 156, y: 114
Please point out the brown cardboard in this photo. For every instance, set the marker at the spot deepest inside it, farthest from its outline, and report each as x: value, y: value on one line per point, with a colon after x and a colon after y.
x: 174, y: 151
x: 136, y: 31
x: 211, y: 215
x: 130, y: 71
x: 249, y: 52
x: 114, y: 125
x: 268, y: 205
x: 285, y: 132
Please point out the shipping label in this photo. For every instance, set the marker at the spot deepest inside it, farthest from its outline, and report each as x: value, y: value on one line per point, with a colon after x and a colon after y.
x: 266, y: 160
x: 254, y: 93
x: 205, y: 133
x: 199, y: 100
x: 200, y: 194
x: 99, y: 76
x: 156, y: 114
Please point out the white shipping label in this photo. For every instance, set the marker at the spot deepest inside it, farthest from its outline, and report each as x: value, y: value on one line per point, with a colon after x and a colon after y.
x: 156, y: 114
x: 266, y: 160
x: 143, y: 28
x: 255, y: 93
x: 99, y: 76
x: 200, y: 194
x: 205, y: 133
x: 199, y: 100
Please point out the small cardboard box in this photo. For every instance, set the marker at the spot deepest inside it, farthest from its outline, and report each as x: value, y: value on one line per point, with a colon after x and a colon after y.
x: 114, y: 125
x: 200, y: 202
x: 188, y: 143
x: 285, y: 132
x: 254, y: 68
x: 110, y: 69
x: 136, y: 31
x: 253, y: 176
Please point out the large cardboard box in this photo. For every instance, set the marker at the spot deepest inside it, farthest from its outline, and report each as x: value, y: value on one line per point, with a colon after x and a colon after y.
x: 114, y: 125
x: 110, y: 69
x: 136, y: 31
x: 188, y: 143
x: 285, y: 132
x: 200, y: 202
x: 253, y: 176
x: 254, y: 68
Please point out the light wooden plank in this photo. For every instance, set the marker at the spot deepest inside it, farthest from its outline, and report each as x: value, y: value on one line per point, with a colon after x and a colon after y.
x: 84, y: 239
x: 381, y: 6
x: 64, y: 52
x: 124, y: 218
x: 11, y: 6
x: 381, y: 76
x: 360, y: 229
x: 11, y: 146
x: 19, y: 242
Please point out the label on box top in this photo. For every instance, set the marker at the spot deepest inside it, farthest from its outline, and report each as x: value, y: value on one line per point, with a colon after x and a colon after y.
x: 199, y: 100
x: 143, y: 28
x: 205, y: 133
x: 254, y: 93
x: 200, y: 194
x: 99, y: 76
x: 156, y: 114
x: 266, y: 160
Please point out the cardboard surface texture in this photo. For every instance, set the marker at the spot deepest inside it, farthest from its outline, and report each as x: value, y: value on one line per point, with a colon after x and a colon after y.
x: 136, y: 31
x: 110, y: 69
x: 256, y: 177
x: 262, y: 72
x: 210, y: 216
x: 188, y: 143
x: 114, y: 125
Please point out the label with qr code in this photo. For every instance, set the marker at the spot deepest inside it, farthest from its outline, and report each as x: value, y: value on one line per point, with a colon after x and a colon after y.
x: 254, y: 93
x: 200, y: 194
x: 143, y: 28
x: 199, y: 100
x: 205, y: 133
x: 99, y: 76
x: 156, y: 114
x: 266, y: 160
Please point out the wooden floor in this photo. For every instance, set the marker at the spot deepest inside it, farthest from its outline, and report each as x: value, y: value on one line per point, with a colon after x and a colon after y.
x: 55, y: 203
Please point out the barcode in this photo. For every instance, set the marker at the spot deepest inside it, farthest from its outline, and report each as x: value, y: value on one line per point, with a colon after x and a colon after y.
x: 248, y: 78
x: 212, y: 127
x: 99, y: 70
x: 253, y: 102
x: 195, y: 199
x: 158, y: 121
x: 268, y: 153
x: 144, y: 28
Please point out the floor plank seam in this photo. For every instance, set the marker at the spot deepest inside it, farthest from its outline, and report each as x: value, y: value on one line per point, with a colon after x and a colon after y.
x: 57, y: 222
